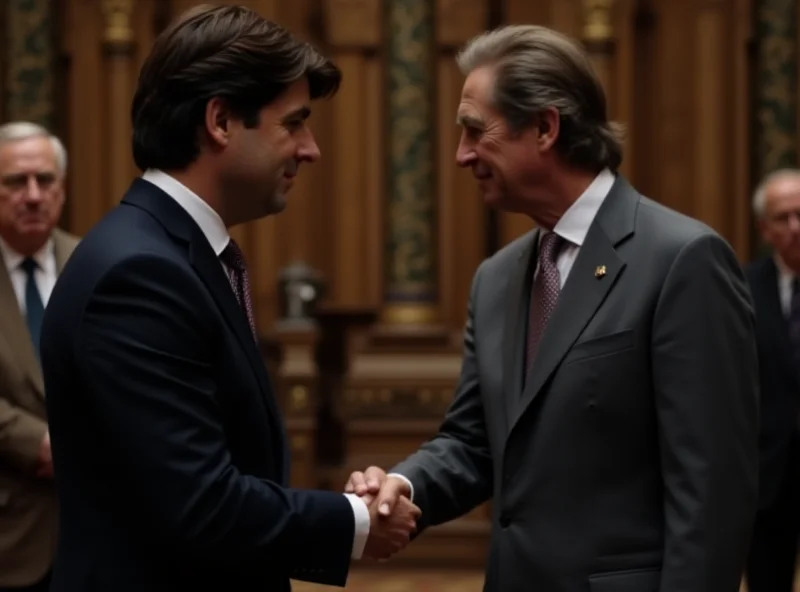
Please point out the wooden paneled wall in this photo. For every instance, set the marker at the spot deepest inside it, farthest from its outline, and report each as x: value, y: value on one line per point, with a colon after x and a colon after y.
x: 676, y: 72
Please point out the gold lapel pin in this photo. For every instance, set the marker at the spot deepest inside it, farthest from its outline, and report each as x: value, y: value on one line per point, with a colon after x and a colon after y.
x: 599, y: 271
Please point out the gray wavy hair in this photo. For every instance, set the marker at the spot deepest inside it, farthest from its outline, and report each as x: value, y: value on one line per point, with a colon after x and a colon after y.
x: 537, y: 68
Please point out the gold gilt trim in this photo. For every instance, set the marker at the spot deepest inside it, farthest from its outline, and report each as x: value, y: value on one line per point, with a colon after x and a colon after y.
x: 394, y: 402
x: 409, y: 314
x: 597, y: 22
x: 118, y: 30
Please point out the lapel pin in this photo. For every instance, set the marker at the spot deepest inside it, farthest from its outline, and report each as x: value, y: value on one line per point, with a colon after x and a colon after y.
x: 599, y: 271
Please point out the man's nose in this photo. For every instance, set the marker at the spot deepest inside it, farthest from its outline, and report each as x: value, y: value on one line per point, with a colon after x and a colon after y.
x: 308, y: 151
x: 794, y: 222
x: 33, y: 192
x: 465, y: 155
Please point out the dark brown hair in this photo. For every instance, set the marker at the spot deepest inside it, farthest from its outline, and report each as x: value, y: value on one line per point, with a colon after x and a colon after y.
x: 228, y: 52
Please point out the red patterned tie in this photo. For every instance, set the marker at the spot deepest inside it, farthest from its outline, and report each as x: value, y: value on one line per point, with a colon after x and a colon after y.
x: 233, y: 258
x: 544, y: 294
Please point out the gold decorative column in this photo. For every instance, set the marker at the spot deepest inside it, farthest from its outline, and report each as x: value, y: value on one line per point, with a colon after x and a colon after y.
x: 598, y: 37
x: 119, y: 47
x: 411, y: 296
x: 27, y: 50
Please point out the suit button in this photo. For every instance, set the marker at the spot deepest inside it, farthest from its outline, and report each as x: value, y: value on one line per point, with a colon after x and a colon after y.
x: 505, y: 521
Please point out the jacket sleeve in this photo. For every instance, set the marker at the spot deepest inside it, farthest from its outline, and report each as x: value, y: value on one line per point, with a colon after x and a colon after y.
x: 705, y: 375
x: 21, y: 435
x: 452, y: 473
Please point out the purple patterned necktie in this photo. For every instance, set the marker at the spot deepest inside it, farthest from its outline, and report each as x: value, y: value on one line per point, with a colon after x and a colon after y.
x: 236, y: 268
x: 544, y: 294
x: 794, y: 321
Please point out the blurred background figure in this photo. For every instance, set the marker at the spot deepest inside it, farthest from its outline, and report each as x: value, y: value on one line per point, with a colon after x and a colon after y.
x: 775, y: 286
x: 32, y: 172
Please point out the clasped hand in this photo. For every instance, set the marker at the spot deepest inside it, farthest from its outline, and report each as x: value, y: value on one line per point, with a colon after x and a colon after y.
x: 393, y: 517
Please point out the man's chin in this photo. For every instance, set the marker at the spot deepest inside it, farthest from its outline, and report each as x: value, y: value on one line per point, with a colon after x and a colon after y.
x: 493, y: 199
x: 278, y: 203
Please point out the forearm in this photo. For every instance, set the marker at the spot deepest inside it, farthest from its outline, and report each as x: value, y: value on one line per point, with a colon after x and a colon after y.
x: 449, y: 478
x: 452, y: 473
x: 21, y: 435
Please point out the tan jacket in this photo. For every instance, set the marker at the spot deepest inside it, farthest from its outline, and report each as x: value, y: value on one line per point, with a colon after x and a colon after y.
x: 28, y: 505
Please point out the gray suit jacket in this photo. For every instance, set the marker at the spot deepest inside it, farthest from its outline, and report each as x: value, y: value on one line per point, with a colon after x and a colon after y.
x: 629, y: 460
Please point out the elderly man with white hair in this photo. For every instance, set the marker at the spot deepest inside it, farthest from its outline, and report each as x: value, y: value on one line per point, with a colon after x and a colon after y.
x: 775, y: 285
x: 32, y: 170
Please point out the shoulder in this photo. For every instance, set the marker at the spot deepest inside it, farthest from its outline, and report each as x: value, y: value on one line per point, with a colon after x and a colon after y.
x: 669, y: 228
x: 65, y: 240
x: 758, y: 268
x: 669, y: 240
x: 507, y: 257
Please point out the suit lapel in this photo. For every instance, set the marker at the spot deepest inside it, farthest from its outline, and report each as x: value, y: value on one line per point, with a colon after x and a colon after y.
x: 209, y: 268
x: 584, y: 291
x: 515, y: 330
x: 63, y: 245
x: 15, y: 330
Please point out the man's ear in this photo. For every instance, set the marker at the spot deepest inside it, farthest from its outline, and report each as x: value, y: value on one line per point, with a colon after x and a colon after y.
x: 548, y: 124
x: 217, y: 121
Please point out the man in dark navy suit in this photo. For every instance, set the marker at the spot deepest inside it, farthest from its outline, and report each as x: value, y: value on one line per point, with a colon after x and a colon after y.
x: 775, y: 286
x: 169, y: 451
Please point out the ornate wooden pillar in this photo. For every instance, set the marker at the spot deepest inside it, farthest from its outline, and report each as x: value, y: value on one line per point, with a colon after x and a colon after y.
x: 403, y: 372
x: 410, y: 297
x: 119, y: 45
x: 598, y: 37
x: 775, y: 86
x: 28, y: 43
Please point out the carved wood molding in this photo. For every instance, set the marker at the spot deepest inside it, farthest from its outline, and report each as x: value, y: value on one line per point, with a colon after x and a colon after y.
x: 118, y: 33
x: 354, y: 24
x: 457, y: 21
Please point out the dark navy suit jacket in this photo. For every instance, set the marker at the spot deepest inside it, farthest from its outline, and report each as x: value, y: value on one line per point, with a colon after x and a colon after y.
x: 169, y: 449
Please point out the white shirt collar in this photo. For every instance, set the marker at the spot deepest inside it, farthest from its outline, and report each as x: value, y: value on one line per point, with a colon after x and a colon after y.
x: 786, y: 279
x: 203, y: 214
x: 575, y: 223
x: 44, y: 257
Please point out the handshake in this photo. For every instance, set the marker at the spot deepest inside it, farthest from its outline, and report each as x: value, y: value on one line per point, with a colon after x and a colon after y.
x: 393, y: 518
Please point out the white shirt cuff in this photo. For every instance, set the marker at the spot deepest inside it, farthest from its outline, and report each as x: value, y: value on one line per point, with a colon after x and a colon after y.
x: 361, y: 516
x: 404, y: 478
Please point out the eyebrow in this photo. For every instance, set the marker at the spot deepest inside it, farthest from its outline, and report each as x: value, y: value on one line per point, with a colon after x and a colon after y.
x: 302, y: 113
x: 469, y: 121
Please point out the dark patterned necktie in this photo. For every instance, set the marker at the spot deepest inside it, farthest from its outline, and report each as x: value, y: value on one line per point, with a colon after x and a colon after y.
x: 544, y: 294
x: 794, y: 321
x: 233, y: 258
x: 34, y: 307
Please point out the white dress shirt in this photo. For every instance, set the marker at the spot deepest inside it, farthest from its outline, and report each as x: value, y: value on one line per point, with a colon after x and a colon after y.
x: 573, y: 227
x: 44, y: 275
x: 785, y: 284
x: 217, y: 234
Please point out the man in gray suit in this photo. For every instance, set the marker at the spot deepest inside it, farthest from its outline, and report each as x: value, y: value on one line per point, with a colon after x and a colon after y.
x: 608, y: 395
